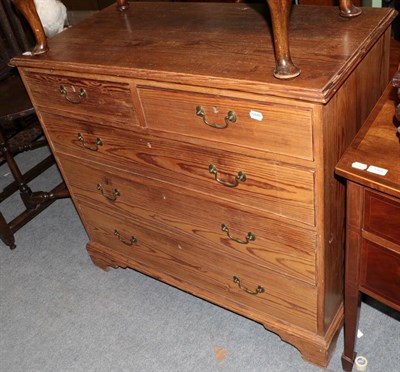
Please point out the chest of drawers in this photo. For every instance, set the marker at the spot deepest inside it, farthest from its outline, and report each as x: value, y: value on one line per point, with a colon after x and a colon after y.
x: 189, y: 162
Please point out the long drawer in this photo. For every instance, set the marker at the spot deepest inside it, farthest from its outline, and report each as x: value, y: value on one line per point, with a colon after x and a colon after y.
x: 198, y: 217
x: 99, y: 99
x: 380, y: 271
x: 382, y: 216
x: 271, y: 186
x: 269, y: 127
x: 218, y: 277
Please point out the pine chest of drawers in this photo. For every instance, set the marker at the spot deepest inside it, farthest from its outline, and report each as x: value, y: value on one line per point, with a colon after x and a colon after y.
x: 188, y: 161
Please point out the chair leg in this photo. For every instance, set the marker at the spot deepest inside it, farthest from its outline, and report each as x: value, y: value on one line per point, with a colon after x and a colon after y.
x: 6, y: 234
x: 28, y: 176
x: 31, y: 200
x: 22, y: 219
x: 5, y: 150
x: 35, y: 202
x: 34, y: 199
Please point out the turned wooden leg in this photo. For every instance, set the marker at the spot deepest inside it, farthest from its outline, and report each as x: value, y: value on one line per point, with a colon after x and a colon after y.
x: 347, y: 9
x: 28, y: 10
x: 280, y: 11
x: 6, y: 234
x: 122, y: 5
x: 352, y: 297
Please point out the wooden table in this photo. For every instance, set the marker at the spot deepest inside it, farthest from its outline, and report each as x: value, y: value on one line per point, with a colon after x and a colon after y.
x: 280, y: 16
x: 373, y: 217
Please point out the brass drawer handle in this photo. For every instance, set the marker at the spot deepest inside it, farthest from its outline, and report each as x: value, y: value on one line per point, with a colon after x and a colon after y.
x: 131, y: 241
x: 249, y: 238
x: 241, y: 176
x: 230, y: 117
x: 99, y: 142
x: 81, y: 95
x: 259, y: 289
x: 115, y: 194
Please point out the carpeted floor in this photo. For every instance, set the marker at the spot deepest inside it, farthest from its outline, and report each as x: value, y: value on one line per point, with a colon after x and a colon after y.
x: 59, y: 313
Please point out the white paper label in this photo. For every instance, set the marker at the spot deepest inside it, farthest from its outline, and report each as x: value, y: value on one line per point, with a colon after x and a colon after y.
x: 377, y: 170
x: 256, y: 115
x: 358, y: 165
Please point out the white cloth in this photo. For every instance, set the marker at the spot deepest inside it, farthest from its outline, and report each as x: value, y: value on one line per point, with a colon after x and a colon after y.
x: 53, y: 15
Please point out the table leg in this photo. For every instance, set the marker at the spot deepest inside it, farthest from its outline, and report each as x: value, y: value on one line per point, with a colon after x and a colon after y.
x: 122, y: 5
x: 280, y: 11
x: 352, y: 296
x: 347, y: 9
x: 352, y: 300
x: 28, y: 10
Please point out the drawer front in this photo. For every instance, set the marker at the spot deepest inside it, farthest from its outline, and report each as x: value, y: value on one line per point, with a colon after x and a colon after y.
x: 84, y: 97
x: 201, y: 270
x: 278, y: 246
x: 268, y: 127
x: 380, y: 272
x: 271, y: 186
x: 382, y: 216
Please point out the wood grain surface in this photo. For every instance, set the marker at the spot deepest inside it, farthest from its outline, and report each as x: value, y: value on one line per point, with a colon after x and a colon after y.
x: 137, y: 157
x: 376, y: 144
x: 111, y: 100
x: 219, y: 45
x: 206, y: 269
x: 164, y: 207
x: 270, y: 186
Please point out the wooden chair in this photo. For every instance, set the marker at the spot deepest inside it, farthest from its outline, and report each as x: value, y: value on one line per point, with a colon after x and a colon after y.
x: 20, y: 129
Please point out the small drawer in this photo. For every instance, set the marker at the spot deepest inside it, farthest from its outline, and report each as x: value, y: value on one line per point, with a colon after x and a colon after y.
x: 84, y: 97
x: 268, y: 127
x: 380, y: 272
x: 382, y: 216
x: 271, y: 186
x: 200, y: 269
x: 196, y: 217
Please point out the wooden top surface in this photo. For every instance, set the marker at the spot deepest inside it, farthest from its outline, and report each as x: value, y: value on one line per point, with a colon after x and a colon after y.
x: 377, y: 143
x: 224, y: 45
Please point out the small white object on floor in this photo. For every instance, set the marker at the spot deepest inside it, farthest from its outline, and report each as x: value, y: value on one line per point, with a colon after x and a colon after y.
x: 53, y: 15
x: 361, y: 363
x: 359, y: 334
